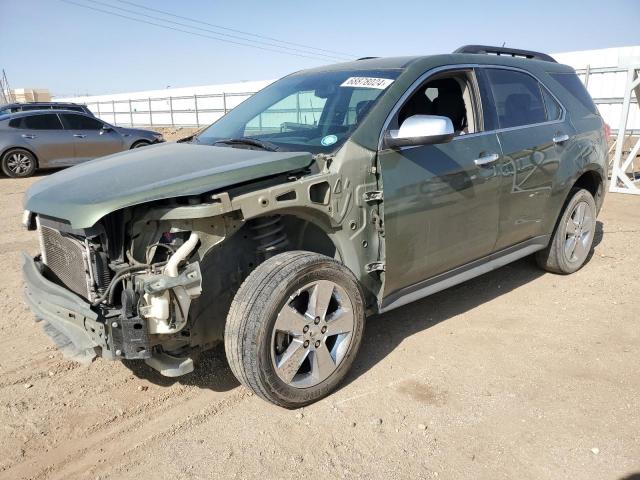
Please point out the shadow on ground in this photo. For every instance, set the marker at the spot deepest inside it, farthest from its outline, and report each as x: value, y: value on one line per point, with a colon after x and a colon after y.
x: 383, y: 333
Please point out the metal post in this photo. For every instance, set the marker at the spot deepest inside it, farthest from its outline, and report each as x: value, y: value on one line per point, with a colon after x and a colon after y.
x: 171, y: 110
x: 113, y: 108
x: 195, y: 102
x: 586, y: 76
x: 130, y: 113
x: 298, y: 106
x: 150, y: 113
x: 224, y: 102
x: 98, y: 105
x: 619, y: 171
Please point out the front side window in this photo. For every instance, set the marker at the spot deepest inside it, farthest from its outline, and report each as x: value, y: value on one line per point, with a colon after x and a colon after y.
x: 47, y: 121
x: 80, y: 122
x: 315, y: 112
x: 448, y: 95
x: 517, y: 98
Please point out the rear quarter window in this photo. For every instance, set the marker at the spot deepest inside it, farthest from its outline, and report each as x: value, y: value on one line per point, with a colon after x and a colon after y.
x: 572, y: 84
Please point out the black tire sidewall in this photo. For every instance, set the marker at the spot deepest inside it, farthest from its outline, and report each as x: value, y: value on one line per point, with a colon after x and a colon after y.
x: 9, y: 173
x: 263, y: 321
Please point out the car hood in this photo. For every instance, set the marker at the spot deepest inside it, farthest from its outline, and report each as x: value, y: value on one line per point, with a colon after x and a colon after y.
x: 85, y: 193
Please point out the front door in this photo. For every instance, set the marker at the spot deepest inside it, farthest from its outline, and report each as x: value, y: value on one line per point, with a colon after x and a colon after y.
x: 441, y: 205
x: 89, y: 138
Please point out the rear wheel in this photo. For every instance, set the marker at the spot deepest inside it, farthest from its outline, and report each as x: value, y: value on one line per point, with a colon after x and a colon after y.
x: 18, y: 163
x: 294, y: 328
x: 573, y: 238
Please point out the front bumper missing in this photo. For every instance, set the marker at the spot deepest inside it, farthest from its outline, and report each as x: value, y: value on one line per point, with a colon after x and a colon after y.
x: 68, y: 319
x: 80, y: 332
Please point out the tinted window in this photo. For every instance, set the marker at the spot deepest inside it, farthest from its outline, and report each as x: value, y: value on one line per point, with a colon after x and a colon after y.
x: 517, y: 97
x: 74, y: 108
x: 80, y: 122
x: 554, y: 111
x: 576, y: 88
x: 34, y: 107
x: 47, y: 121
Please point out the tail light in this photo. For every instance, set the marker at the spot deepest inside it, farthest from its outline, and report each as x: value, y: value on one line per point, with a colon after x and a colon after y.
x: 607, y: 132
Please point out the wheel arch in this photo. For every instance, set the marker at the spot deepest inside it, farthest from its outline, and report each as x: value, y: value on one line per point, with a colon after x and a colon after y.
x: 592, y: 181
x: 138, y: 142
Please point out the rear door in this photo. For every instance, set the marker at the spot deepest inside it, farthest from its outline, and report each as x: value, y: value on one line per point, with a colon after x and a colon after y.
x: 89, y: 137
x: 44, y: 136
x: 533, y: 135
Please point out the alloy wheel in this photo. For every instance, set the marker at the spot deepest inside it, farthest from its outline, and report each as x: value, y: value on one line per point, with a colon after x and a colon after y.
x: 19, y: 163
x: 579, y: 233
x: 312, y: 334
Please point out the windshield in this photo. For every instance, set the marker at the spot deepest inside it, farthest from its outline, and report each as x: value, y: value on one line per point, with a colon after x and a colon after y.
x: 314, y: 112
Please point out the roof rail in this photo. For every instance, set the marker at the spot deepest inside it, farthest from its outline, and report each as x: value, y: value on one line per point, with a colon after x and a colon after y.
x: 512, y: 52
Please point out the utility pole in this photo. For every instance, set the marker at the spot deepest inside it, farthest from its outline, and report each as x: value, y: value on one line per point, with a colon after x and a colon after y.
x: 6, y: 95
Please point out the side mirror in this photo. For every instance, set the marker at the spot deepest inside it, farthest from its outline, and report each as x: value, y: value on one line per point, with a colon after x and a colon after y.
x: 106, y: 129
x: 421, y: 130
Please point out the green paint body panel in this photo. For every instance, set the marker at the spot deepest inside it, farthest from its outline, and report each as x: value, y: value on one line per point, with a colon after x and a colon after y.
x: 83, y: 194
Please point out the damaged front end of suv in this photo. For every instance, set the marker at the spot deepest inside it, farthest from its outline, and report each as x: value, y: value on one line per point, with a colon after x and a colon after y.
x: 142, y: 253
x: 154, y: 280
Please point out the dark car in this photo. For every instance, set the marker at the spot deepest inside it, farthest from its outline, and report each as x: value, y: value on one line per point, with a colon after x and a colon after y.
x: 25, y: 107
x: 60, y: 138
x: 333, y: 194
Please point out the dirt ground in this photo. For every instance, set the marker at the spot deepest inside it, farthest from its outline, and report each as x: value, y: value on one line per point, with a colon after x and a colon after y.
x: 516, y: 374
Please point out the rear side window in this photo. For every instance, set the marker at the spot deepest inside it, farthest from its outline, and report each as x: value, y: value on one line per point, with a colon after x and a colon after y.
x: 38, y: 122
x: 80, y: 122
x: 517, y: 97
x: 576, y: 88
x: 554, y: 111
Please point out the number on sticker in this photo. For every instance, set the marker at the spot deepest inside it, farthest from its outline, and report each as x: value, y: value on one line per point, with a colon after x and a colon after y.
x: 367, y: 82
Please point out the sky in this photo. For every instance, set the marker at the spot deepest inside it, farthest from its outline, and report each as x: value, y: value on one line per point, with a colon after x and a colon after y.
x: 73, y: 50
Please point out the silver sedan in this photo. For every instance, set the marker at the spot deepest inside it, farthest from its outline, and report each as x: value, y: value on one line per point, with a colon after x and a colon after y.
x: 52, y: 139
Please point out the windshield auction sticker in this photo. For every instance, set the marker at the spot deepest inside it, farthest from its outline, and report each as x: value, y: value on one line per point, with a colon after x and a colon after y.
x: 367, y: 82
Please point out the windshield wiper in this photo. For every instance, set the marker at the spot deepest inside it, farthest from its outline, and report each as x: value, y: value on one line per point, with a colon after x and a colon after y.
x: 270, y: 147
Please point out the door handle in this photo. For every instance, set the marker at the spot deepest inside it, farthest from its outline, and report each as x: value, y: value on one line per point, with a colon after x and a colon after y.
x: 26, y: 135
x: 79, y: 135
x: 486, y: 159
x: 560, y: 138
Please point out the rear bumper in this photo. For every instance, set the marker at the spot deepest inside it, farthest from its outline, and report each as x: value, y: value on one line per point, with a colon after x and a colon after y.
x: 64, y: 311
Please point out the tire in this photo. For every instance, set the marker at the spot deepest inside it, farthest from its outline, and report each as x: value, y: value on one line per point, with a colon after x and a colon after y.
x: 140, y: 143
x: 18, y: 163
x: 572, y: 239
x: 277, y: 336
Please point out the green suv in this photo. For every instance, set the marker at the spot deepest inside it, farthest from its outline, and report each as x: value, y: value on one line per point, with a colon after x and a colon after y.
x: 333, y: 194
